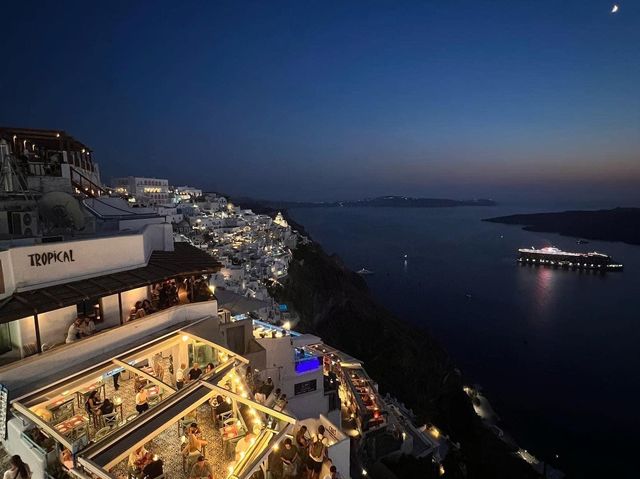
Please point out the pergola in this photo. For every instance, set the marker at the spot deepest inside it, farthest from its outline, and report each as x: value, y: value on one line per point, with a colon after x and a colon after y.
x: 99, y: 458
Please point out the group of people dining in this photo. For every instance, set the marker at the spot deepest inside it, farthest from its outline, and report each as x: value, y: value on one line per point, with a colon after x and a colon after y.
x: 80, y: 328
x: 101, y: 411
x: 195, y: 446
x: 140, y: 309
x: 186, y: 375
x: 168, y: 293
x: 144, y: 465
x: 266, y: 395
x: 306, y: 456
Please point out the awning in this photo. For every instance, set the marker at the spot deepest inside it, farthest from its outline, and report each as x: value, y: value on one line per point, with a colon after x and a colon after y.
x: 238, y: 304
x: 185, y: 260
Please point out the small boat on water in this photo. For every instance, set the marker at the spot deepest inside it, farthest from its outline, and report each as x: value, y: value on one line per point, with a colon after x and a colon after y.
x: 364, y: 272
x: 581, y: 241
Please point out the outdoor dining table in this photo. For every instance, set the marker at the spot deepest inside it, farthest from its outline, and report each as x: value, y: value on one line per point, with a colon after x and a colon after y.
x: 58, y: 403
x: 71, y: 425
x: 141, y: 380
x: 153, y: 391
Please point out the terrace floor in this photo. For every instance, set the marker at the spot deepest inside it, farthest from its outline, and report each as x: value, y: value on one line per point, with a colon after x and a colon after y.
x: 167, y: 445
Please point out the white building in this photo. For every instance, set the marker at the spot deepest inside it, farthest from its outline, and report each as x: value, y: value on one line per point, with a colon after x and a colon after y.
x: 144, y: 190
x: 186, y: 193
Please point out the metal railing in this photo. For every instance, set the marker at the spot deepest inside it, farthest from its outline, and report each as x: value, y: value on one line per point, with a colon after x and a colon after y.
x: 85, y: 185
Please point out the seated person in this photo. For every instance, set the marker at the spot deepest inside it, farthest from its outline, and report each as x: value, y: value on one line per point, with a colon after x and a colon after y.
x: 194, y: 429
x: 89, y: 327
x: 66, y: 459
x: 137, y: 457
x: 194, y: 443
x: 148, y: 308
x: 222, y: 405
x: 142, y: 401
x: 75, y: 331
x: 209, y: 368
x: 271, y: 400
x: 281, y: 403
x: 92, y: 404
x: 106, y: 407
x: 140, y: 313
x: 201, y: 469
x: 154, y: 467
x: 267, y: 387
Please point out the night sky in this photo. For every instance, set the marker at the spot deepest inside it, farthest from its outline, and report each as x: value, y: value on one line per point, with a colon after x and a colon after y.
x: 338, y: 100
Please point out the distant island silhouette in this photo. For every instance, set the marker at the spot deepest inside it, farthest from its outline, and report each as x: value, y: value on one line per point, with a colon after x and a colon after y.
x: 378, y: 202
x: 618, y: 224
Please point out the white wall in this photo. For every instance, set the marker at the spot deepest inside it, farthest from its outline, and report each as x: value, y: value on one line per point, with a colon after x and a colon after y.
x: 55, y: 324
x: 280, y: 356
x: 110, y: 312
x: 92, y: 257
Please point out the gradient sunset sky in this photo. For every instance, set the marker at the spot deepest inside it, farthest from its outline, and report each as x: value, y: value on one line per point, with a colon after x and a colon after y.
x: 339, y: 100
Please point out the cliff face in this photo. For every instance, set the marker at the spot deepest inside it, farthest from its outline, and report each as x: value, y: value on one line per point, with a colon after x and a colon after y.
x: 336, y: 304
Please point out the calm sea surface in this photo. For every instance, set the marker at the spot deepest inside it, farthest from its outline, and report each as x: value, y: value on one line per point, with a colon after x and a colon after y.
x: 556, y: 352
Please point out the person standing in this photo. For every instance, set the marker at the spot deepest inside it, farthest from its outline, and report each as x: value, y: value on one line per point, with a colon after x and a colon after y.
x: 17, y: 469
x: 195, y: 372
x: 158, y: 368
x: 180, y: 377
x: 116, y: 378
x: 317, y: 453
x: 290, y: 459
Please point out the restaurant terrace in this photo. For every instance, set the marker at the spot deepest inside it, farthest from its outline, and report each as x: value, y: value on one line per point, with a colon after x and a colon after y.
x: 211, y: 415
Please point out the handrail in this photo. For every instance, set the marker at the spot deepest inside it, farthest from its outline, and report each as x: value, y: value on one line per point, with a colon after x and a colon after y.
x: 91, y: 189
x: 32, y: 443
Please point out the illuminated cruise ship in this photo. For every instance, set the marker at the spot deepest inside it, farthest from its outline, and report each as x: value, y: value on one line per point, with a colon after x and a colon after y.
x: 555, y: 257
